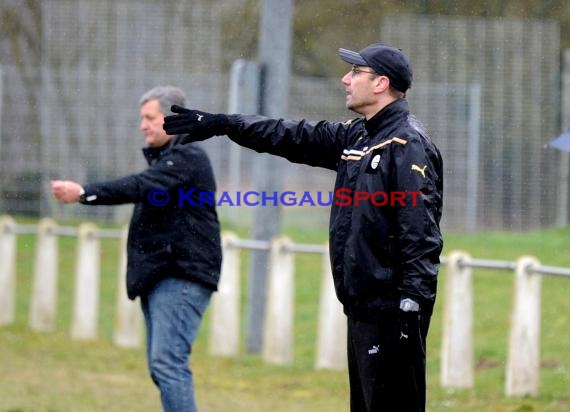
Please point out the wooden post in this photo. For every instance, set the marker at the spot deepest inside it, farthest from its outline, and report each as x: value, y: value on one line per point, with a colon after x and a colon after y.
x: 331, y: 340
x: 225, y: 325
x: 457, y: 346
x: 44, y: 290
x: 278, y: 328
x: 86, y: 297
x: 7, y: 270
x: 129, y: 316
x: 523, y: 363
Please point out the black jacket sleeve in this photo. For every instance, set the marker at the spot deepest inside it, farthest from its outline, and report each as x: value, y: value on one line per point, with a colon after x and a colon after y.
x: 312, y: 143
x: 418, y: 172
x: 182, y: 166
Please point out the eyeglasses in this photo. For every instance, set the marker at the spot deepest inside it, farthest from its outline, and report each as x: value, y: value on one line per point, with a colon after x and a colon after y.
x: 355, y: 70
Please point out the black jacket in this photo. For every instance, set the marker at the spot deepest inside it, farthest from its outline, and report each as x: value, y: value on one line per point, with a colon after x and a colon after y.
x: 170, y: 235
x: 382, y: 250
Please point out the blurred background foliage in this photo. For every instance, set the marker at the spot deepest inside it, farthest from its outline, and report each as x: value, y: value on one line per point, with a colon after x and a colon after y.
x: 322, y: 24
x: 350, y: 24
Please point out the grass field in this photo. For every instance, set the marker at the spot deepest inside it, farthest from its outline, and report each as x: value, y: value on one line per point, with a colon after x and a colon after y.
x: 50, y: 372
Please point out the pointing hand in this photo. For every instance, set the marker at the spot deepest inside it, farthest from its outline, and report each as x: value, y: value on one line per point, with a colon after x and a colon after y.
x: 197, y: 124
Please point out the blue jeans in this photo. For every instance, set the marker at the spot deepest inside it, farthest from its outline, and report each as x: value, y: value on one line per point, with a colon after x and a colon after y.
x: 173, y: 310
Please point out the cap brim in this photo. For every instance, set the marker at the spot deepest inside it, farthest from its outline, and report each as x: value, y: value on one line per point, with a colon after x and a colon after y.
x: 351, y: 57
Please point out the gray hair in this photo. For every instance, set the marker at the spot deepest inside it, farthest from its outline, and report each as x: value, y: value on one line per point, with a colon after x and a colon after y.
x: 166, y: 96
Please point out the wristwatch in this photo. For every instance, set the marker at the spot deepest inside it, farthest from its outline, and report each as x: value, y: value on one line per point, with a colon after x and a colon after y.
x: 82, y: 196
x: 409, y: 305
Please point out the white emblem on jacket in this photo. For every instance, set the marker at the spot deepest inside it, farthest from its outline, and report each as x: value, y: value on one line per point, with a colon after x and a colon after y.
x: 375, y: 161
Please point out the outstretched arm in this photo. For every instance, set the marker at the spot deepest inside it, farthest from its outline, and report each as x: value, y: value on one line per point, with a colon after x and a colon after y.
x: 312, y: 143
x: 185, y: 166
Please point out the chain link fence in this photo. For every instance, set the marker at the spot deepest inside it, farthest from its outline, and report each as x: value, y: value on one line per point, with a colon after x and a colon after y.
x: 498, y: 173
x: 487, y: 89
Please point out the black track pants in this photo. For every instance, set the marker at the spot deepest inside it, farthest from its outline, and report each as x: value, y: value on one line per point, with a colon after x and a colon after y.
x: 386, y: 363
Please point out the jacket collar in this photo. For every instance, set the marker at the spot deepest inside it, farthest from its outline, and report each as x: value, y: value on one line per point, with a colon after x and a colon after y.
x: 152, y: 154
x: 385, y: 117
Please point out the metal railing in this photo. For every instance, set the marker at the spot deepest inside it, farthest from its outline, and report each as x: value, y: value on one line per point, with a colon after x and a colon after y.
x: 457, y: 348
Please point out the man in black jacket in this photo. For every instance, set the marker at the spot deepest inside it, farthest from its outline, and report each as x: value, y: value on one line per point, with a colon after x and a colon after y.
x: 174, y: 251
x: 385, y: 239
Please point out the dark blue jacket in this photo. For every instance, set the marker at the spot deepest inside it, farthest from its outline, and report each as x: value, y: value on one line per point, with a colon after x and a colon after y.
x: 172, y: 233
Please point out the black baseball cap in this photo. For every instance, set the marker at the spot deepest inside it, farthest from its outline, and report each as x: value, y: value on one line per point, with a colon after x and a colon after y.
x: 385, y: 60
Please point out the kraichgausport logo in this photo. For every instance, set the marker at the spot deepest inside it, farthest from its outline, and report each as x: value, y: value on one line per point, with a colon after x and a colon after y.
x: 341, y: 197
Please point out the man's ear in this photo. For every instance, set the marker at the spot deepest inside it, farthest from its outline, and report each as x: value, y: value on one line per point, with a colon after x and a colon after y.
x: 382, y: 83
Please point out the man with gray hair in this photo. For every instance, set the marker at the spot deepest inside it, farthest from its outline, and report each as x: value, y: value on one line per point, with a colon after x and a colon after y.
x: 174, y: 251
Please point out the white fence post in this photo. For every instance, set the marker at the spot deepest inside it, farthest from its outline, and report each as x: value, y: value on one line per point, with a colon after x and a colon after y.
x: 86, y: 297
x: 224, y: 333
x: 278, y: 332
x: 7, y: 270
x: 331, y: 340
x: 129, y: 315
x: 44, y: 289
x: 523, y: 363
x: 457, y: 345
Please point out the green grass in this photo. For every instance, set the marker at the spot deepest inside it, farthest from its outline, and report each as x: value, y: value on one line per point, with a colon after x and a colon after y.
x: 50, y: 372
